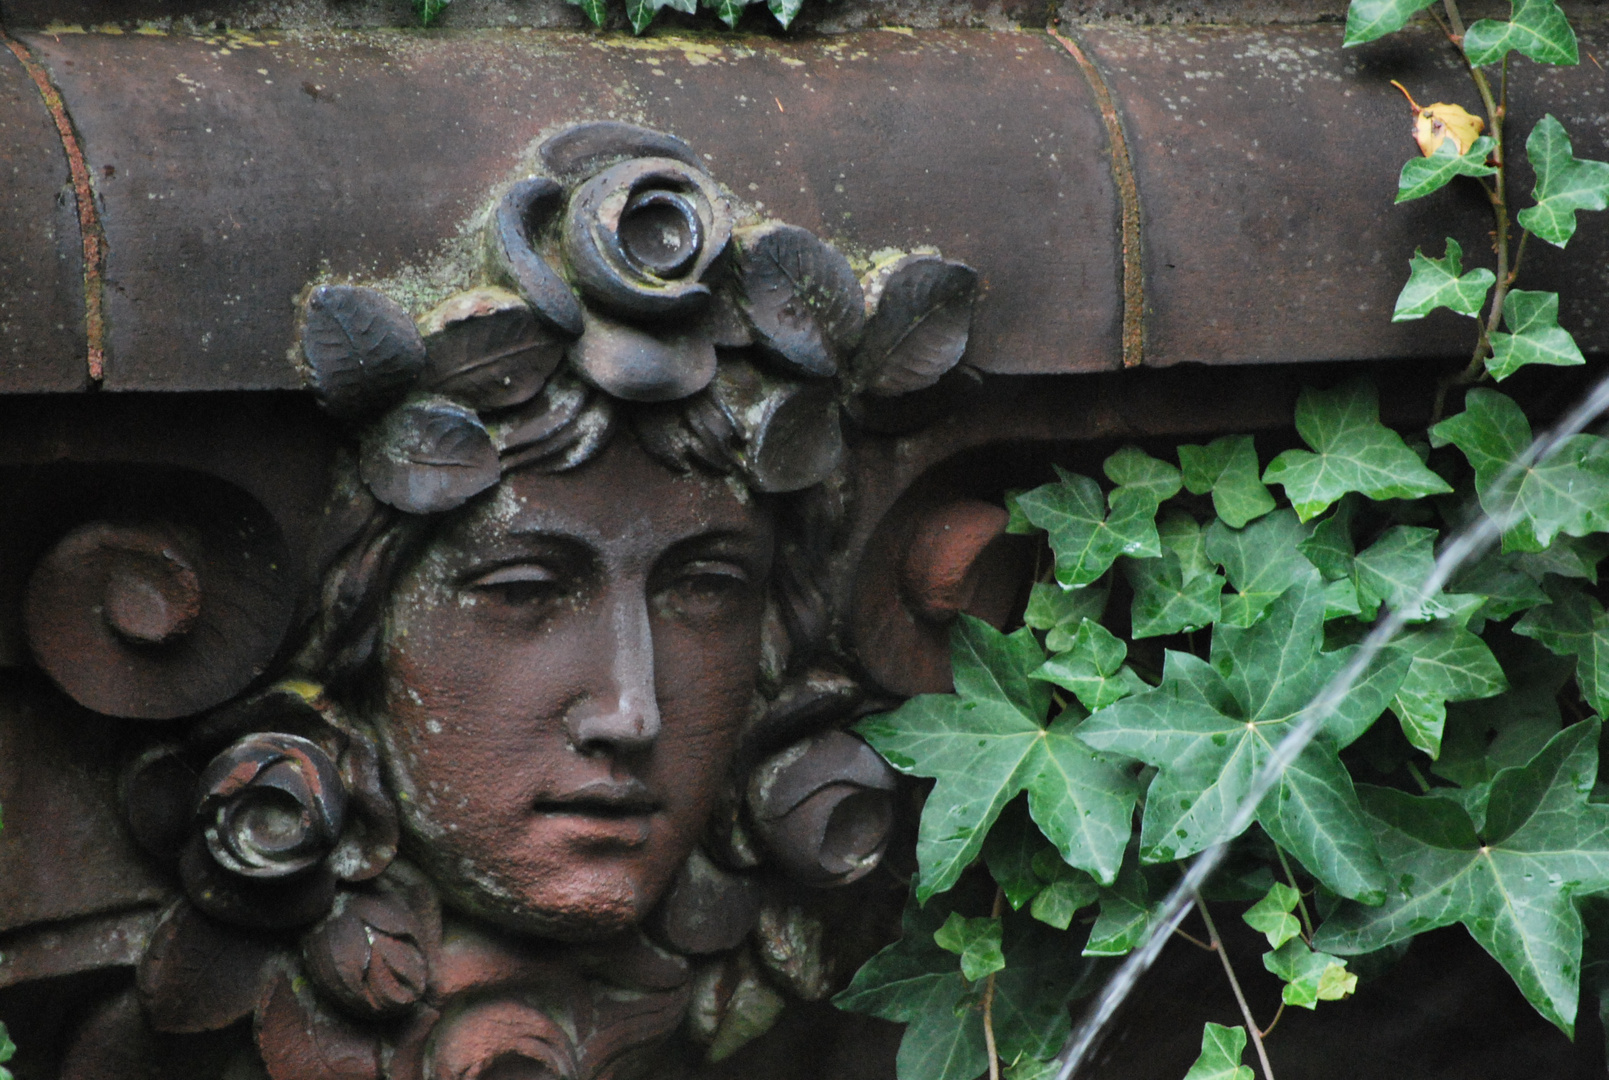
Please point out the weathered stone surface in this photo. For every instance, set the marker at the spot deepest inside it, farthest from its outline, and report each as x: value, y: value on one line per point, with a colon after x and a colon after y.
x: 41, y: 261
x: 233, y: 189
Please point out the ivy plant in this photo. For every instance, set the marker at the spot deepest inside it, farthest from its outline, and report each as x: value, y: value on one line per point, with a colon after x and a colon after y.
x: 1193, y: 605
x: 641, y: 13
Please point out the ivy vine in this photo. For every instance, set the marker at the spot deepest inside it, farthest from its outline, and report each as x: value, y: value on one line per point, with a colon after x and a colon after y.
x: 1077, y: 763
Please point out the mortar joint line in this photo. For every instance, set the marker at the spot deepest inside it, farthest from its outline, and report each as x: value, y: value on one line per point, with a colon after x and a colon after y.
x: 1128, y: 195
x: 89, y: 223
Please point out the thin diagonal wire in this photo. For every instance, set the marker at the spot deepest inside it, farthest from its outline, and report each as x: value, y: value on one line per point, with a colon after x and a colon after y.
x: 1473, y: 540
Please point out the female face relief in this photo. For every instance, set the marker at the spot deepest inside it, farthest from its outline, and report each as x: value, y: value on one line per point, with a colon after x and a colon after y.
x: 566, y: 672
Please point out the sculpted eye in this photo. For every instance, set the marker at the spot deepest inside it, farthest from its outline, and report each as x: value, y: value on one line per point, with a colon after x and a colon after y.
x: 518, y: 585
x: 702, y: 586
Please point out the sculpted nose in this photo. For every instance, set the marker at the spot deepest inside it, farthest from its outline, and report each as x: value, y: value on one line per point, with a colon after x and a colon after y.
x: 620, y: 711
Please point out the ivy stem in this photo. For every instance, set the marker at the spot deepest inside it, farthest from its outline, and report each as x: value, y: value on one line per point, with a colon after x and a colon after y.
x: 1519, y: 253
x: 1494, y: 122
x: 1272, y: 1024
x: 1301, y: 905
x: 988, y: 998
x: 1234, y: 984
x: 1418, y: 777
x: 1192, y: 939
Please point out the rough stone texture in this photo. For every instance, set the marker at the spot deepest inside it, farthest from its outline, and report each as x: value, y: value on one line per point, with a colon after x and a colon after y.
x: 66, y: 853
x: 234, y: 171
x: 245, y: 171
x: 1267, y: 165
x: 41, y: 262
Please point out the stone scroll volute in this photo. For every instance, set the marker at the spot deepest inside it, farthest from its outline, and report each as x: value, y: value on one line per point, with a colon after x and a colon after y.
x: 551, y: 777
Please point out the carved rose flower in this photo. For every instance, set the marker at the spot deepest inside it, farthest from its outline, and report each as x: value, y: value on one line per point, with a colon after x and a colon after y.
x: 272, y: 805
x: 641, y: 234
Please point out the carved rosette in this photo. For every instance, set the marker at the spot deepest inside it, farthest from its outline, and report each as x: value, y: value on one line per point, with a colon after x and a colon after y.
x: 624, y: 288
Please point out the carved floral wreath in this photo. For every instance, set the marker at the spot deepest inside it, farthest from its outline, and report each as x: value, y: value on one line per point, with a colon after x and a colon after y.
x: 622, y: 287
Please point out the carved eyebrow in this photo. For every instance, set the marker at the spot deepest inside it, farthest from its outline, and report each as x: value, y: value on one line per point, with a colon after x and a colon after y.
x: 512, y: 548
x: 747, y: 547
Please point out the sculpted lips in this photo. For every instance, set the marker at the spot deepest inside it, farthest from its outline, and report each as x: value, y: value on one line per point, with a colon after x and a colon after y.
x: 603, y: 799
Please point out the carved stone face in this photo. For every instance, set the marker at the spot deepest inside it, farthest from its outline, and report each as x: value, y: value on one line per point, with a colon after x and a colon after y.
x: 566, y: 671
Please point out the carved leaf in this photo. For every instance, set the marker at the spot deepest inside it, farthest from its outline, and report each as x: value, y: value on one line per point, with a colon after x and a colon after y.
x: 362, y: 349
x: 428, y: 455
x: 905, y: 413
x: 636, y: 365
x: 789, y: 431
x: 505, y: 1032
x: 680, y: 435
x: 801, y: 297
x: 706, y: 909
x: 558, y: 429
x: 299, y: 1041
x: 919, y: 330
x: 368, y: 955
x: 199, y: 975
x: 487, y: 350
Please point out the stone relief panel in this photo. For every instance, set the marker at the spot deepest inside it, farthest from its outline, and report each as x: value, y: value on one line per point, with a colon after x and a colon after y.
x: 550, y: 778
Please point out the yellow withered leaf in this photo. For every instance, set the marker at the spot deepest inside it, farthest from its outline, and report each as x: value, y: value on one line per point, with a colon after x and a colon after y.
x: 1434, y: 123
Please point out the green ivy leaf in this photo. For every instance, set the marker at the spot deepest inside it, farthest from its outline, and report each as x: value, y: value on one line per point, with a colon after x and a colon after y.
x: 917, y: 983
x: 1310, y: 977
x: 1330, y: 546
x: 1059, y: 611
x: 1514, y: 886
x: 1484, y: 737
x: 1449, y: 664
x: 1166, y: 602
x: 1423, y: 175
x: 1009, y: 853
x: 1564, y: 184
x: 1574, y: 624
x: 1093, y: 668
x: 1367, y: 20
x: 1262, y: 561
x: 1042, y: 975
x: 1434, y: 283
x: 1535, y: 336
x: 640, y: 13
x: 1133, y: 468
x: 1567, y: 556
x: 1084, y: 537
x: 1536, y: 28
x: 1066, y: 890
x: 785, y: 10
x: 1181, y: 535
x: 1502, y: 580
x: 1125, y: 915
x: 1391, y: 570
x: 1352, y: 451
x: 1221, y: 1049
x: 428, y: 11
x: 595, y: 10
x: 1031, y: 1068
x: 728, y: 11
x: 1271, y: 916
x: 1209, y: 728
x: 986, y: 743
x: 1227, y: 468
x: 1180, y: 591
x: 8, y: 1049
x: 975, y: 941
x: 1568, y: 493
